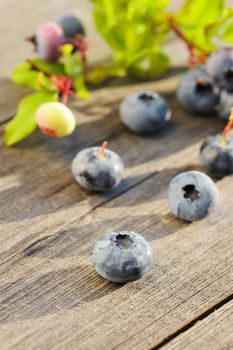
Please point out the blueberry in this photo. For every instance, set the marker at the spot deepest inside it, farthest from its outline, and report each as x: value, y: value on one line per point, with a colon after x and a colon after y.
x: 192, y: 195
x: 122, y: 256
x: 144, y: 112
x: 96, y: 173
x: 70, y: 25
x: 225, y: 105
x: 220, y: 67
x: 196, y: 92
x: 217, y: 158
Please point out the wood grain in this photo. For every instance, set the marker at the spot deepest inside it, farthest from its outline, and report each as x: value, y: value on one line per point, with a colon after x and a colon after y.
x: 214, y: 332
x: 53, y: 287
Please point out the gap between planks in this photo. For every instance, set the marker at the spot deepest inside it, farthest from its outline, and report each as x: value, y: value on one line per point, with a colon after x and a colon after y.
x: 213, y: 332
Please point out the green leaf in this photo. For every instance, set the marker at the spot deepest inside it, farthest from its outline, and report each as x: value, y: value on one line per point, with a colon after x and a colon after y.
x: 73, y: 65
x: 223, y: 27
x: 133, y: 29
x: 227, y: 33
x: 24, y: 123
x: 80, y: 88
x: 197, y: 13
x: 98, y: 74
x: 150, y: 65
x: 66, y: 50
x: 47, y: 67
x: 23, y: 75
x: 112, y: 34
x: 74, y: 68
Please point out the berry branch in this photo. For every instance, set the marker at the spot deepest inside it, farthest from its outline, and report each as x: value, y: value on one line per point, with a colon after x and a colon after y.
x: 194, y: 58
x: 63, y: 84
x: 55, y: 74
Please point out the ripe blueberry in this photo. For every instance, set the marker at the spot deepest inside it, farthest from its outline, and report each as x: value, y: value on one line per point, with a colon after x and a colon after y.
x: 122, y: 256
x: 196, y: 92
x: 225, y: 105
x: 220, y: 67
x: 216, y: 157
x: 95, y: 172
x: 192, y: 195
x: 144, y: 112
x: 71, y: 25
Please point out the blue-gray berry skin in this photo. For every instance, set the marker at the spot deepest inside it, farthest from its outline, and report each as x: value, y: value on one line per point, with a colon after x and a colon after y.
x: 122, y: 256
x: 71, y: 25
x: 217, y: 159
x: 196, y: 92
x: 192, y: 195
x: 144, y: 112
x: 220, y: 67
x: 225, y: 105
x: 97, y: 174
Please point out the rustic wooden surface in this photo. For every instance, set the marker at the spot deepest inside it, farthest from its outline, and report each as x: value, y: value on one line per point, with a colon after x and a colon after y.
x: 51, y: 297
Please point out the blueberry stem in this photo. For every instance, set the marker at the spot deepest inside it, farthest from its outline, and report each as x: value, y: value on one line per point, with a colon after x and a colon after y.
x: 102, y: 149
x: 193, y: 48
x: 227, y: 128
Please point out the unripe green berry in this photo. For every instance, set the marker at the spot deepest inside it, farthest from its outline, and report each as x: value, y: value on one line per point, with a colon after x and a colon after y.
x: 55, y: 119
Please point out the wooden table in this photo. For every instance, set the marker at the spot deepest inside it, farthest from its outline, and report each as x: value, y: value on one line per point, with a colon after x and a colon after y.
x: 51, y: 296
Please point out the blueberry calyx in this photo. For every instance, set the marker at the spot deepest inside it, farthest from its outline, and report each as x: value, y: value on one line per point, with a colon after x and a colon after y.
x: 88, y: 177
x: 229, y: 75
x: 146, y: 97
x: 123, y: 241
x: 203, y: 87
x: 191, y: 192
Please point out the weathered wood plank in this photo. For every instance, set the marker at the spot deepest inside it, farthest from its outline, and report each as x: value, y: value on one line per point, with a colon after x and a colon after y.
x: 53, y: 288
x: 39, y: 198
x: 214, y: 332
x: 51, y: 297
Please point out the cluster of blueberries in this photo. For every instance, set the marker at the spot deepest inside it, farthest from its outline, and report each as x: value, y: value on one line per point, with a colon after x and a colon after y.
x: 208, y: 90
x: 126, y: 256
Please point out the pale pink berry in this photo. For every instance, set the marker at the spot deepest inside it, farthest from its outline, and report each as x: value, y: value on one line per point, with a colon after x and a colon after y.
x: 49, y: 38
x: 55, y: 119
